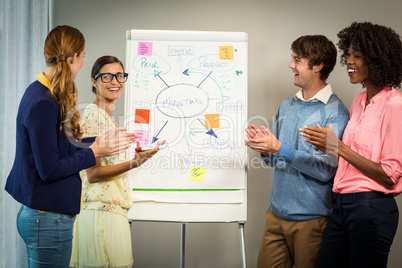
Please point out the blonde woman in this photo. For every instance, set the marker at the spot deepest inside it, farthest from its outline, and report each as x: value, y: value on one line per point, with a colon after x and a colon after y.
x: 49, y: 153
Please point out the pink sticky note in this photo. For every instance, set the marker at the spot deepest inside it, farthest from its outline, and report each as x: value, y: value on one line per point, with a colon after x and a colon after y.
x: 145, y: 48
x: 143, y: 136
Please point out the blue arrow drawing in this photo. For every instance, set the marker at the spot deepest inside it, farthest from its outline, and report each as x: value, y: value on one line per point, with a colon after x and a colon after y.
x: 205, y: 79
x: 156, y: 74
x: 210, y: 131
x: 155, y: 138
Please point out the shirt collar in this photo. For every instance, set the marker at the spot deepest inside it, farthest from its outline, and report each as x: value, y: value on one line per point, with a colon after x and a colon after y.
x: 323, y: 95
x: 43, y: 80
x: 377, y: 96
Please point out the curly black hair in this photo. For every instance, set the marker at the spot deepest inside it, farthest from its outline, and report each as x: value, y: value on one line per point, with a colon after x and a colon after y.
x: 381, y: 48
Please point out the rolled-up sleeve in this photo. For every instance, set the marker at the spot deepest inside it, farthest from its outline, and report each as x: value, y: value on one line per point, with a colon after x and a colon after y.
x: 391, y: 130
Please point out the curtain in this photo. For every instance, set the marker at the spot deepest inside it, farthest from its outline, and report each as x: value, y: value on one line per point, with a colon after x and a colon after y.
x: 24, y: 25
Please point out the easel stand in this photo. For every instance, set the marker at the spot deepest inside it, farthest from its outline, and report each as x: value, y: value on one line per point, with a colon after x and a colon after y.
x: 183, y: 245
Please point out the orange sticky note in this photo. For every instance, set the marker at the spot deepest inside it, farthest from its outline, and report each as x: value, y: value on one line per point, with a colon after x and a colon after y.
x: 142, y: 116
x: 226, y: 53
x: 212, y: 121
x: 197, y: 173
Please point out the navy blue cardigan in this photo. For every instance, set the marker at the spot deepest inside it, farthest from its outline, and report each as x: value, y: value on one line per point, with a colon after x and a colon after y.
x: 45, y: 174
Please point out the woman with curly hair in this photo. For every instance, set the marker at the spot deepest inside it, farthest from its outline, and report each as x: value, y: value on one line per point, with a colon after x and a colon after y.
x: 365, y: 215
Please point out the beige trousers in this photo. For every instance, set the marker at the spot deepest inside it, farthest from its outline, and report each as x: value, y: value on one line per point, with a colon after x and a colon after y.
x: 291, y: 243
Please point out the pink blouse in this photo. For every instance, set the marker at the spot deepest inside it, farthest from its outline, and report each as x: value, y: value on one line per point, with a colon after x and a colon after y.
x: 374, y: 132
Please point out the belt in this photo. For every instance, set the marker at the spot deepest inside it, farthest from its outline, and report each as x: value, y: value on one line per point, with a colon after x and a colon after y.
x: 360, y: 196
x: 42, y: 211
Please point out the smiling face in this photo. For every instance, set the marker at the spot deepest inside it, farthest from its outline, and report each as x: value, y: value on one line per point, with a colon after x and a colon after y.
x: 109, y: 92
x: 357, y: 70
x: 303, y: 73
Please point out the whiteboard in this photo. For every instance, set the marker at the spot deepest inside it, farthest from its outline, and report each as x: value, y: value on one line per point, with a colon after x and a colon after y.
x: 190, y: 89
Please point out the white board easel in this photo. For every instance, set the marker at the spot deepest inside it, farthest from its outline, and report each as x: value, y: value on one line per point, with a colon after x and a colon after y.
x: 190, y: 89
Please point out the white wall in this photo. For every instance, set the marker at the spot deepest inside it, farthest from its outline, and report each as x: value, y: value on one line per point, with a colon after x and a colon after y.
x: 272, y: 25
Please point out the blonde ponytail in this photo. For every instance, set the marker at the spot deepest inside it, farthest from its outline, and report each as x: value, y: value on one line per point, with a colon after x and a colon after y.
x: 64, y: 42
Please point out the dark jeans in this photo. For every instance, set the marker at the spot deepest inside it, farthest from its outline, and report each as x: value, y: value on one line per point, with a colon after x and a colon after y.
x: 360, y: 231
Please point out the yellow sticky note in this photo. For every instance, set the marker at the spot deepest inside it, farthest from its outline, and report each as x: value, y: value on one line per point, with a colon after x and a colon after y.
x: 226, y: 52
x: 212, y: 121
x: 197, y: 173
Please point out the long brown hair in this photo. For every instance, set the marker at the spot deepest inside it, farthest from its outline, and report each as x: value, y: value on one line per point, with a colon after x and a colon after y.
x: 61, y: 43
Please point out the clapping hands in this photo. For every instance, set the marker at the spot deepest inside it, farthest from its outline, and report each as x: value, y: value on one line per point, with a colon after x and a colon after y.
x: 261, y: 140
x: 113, y: 142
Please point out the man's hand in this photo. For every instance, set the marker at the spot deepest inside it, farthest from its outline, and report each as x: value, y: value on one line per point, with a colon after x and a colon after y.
x: 261, y: 140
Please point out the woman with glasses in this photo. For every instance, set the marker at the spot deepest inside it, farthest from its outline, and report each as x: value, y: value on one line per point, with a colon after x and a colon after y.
x: 50, y: 152
x: 102, y: 235
x: 365, y: 215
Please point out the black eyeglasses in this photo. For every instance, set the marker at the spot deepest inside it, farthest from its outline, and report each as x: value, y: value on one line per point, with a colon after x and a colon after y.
x: 108, y: 77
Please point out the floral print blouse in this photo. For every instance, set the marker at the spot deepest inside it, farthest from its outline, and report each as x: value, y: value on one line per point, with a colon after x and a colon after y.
x: 113, y: 195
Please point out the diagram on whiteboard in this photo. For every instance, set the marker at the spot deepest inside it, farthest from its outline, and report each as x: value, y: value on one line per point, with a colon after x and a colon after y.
x: 194, y: 96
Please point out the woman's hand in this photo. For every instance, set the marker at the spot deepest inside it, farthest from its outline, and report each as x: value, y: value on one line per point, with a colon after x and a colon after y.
x: 112, y: 142
x: 99, y: 173
x: 142, y: 156
x: 324, y: 138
